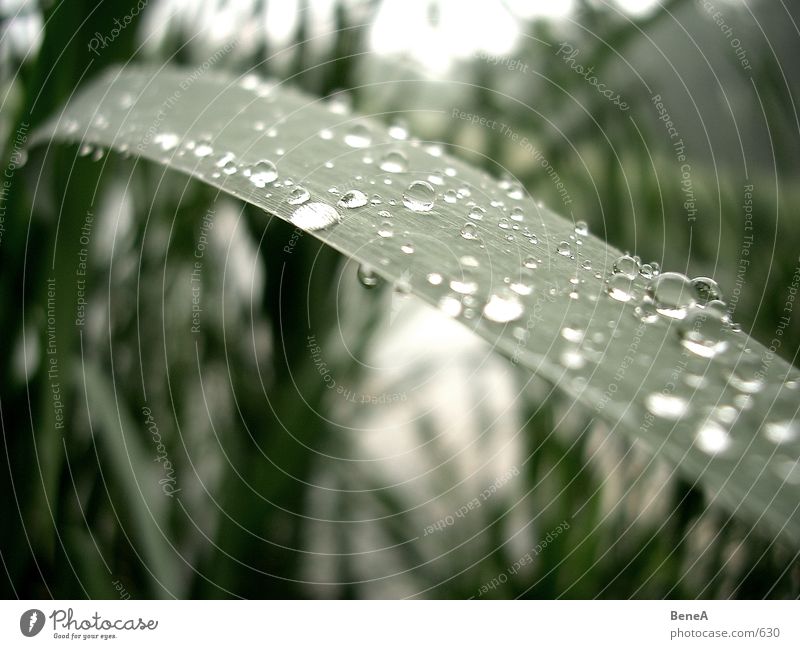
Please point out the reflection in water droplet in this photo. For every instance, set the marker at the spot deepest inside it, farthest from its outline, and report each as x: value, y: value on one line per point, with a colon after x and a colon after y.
x: 367, y: 276
x: 394, y: 162
x: 298, y: 196
x: 419, y: 196
x: 671, y: 294
x: 263, y: 172
x: 352, y: 199
x: 706, y: 289
x: 315, y: 216
x: 358, y: 137
x: 703, y: 332
x: 503, y: 307
x: 666, y: 406
x: 780, y: 432
x: 712, y: 438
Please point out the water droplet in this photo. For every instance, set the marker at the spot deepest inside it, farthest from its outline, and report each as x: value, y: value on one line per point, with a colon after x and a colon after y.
x: 203, y: 149
x: 326, y: 134
x: 672, y: 294
x: 352, y: 199
x: 564, y: 249
x: 521, y: 289
x: 298, y: 196
x: 476, y: 213
x: 367, y: 276
x: 503, y: 307
x: 780, y: 432
x: 703, y: 332
x: 517, y: 214
x: 434, y: 279
x: 464, y: 287
x: 358, y: 137
x: 385, y: 230
x: 572, y: 359
x: 620, y: 288
x: 712, y: 438
x: 263, y: 172
x: 407, y: 248
x: 626, y: 266
x: 167, y: 141
x: 419, y: 196
x: 394, y: 162
x: 398, y: 130
x: 706, y: 289
x: 667, y: 406
x: 469, y: 231
x: 315, y: 216
x: 530, y: 262
x: 581, y: 228
x: 450, y: 196
x: 450, y: 305
x: 572, y: 334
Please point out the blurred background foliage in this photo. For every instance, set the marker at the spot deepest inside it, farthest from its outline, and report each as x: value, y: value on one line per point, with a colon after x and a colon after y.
x: 288, y: 489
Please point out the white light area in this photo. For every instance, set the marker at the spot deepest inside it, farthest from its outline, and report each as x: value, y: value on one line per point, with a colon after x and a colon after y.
x: 637, y: 7
x: 462, y: 30
x: 548, y: 9
x: 282, y: 19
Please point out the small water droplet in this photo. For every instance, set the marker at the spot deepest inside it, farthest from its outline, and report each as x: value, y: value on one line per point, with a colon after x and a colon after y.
x: 712, y: 438
x: 398, y: 130
x: 315, y: 216
x: 667, y: 406
x: 167, y: 141
x: 564, y: 249
x: 469, y: 231
x: 581, y: 228
x: 530, y: 262
x: 419, y: 197
x: 263, y: 172
x: 385, y: 230
x: 450, y: 196
x: 203, y: 149
x: 517, y: 214
x: 358, y: 137
x: 476, y: 213
x: 407, y: 248
x: 572, y: 334
x: 464, y: 287
x: 450, y: 305
x: 367, y: 276
x: 706, y: 290
x: 520, y: 288
x: 352, y: 199
x: 434, y: 279
x: 394, y: 162
x: 780, y: 432
x: 298, y: 195
x: 503, y: 307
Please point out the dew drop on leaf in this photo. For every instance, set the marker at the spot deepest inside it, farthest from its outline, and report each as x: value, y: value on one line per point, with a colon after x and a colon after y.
x: 672, y: 294
x: 419, y: 197
x: 263, y: 172
x: 298, y: 195
x: 503, y: 307
x: 352, y: 199
x: 394, y: 162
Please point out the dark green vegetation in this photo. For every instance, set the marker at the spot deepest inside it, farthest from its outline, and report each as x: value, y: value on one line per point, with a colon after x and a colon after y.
x: 92, y: 508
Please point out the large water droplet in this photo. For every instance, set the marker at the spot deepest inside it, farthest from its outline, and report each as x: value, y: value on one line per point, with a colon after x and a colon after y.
x: 581, y: 228
x: 419, y: 196
x: 315, y: 216
x: 263, y: 172
x: 672, y: 294
x: 564, y: 249
x: 352, y: 199
x: 780, y: 432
